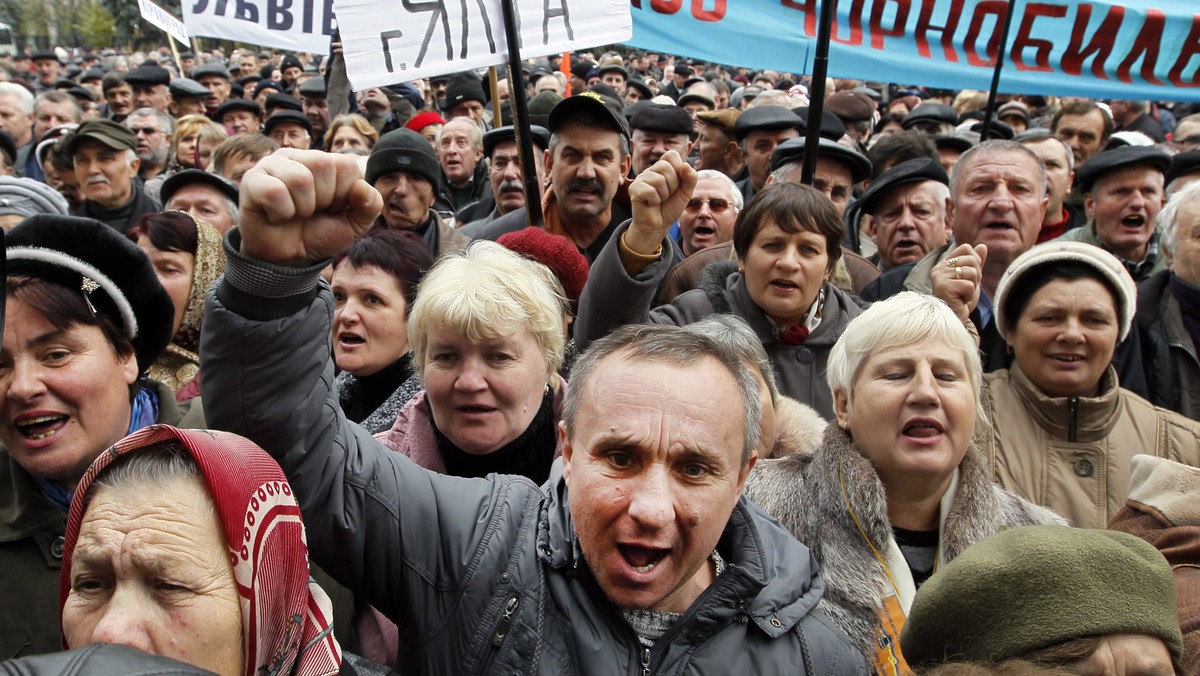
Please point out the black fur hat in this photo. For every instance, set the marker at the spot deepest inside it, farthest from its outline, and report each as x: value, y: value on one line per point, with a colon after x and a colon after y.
x: 120, y: 280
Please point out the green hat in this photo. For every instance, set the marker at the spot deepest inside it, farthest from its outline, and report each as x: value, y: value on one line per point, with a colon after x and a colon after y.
x: 1031, y: 588
x: 112, y: 134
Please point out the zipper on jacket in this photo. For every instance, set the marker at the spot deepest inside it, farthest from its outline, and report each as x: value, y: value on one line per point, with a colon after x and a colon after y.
x: 1072, y: 419
x: 505, y: 622
x: 645, y: 661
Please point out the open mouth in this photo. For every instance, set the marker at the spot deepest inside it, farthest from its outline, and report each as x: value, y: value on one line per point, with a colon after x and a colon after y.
x: 41, y: 426
x: 784, y: 284
x: 351, y: 339
x: 923, y: 429
x: 642, y: 559
x: 477, y: 409
x: 1135, y: 221
x: 998, y: 225
x: 1068, y: 358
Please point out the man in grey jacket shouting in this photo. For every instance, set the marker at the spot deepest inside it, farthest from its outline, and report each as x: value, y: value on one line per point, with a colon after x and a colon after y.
x: 638, y: 555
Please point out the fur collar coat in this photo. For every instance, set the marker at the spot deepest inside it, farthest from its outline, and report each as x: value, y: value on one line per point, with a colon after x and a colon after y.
x: 805, y: 493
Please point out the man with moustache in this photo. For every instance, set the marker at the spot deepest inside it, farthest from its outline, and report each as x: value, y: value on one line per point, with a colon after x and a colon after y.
x: 587, y: 161
x: 153, y: 130
x: 506, y: 176
x: 106, y: 165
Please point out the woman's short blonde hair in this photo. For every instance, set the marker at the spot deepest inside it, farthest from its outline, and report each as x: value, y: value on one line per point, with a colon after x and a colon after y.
x: 356, y: 122
x: 907, y: 318
x: 204, y: 129
x: 486, y: 292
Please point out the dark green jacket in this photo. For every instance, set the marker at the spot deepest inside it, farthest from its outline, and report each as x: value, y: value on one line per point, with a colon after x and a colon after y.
x: 31, y: 546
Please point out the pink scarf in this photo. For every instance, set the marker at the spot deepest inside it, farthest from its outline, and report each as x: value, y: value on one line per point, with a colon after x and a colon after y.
x: 286, y: 619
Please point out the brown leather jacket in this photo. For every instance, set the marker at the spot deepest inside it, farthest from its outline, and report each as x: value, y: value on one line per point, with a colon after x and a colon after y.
x: 1073, y: 454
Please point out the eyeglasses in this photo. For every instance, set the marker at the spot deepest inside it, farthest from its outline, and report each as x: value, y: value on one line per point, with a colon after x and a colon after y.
x: 715, y: 205
x: 1188, y: 141
x: 148, y: 131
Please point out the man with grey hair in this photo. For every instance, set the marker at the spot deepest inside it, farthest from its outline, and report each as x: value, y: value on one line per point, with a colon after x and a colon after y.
x: 16, y: 118
x: 640, y: 533
x: 1168, y: 309
x: 106, y: 167
x: 711, y: 213
x: 464, y: 176
x: 998, y: 203
x: 907, y: 209
x: 153, y: 129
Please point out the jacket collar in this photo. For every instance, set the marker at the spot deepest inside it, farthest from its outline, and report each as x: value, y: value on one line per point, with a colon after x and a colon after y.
x: 769, y: 575
x: 1094, y: 418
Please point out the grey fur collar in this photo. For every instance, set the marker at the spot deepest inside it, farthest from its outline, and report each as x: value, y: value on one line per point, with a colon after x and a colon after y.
x: 805, y: 494
x: 711, y: 280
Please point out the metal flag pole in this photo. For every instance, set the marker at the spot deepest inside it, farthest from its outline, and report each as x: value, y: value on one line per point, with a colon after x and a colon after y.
x: 991, y: 104
x: 816, y: 99
x: 520, y: 111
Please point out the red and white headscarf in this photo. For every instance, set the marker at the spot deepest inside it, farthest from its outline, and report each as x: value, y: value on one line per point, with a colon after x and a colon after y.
x: 287, y: 625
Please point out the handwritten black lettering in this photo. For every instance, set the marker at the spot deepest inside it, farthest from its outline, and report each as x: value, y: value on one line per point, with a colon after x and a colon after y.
x: 385, y: 37
x: 246, y: 11
x: 487, y: 27
x: 200, y: 6
x: 549, y: 13
x: 279, y: 15
x: 438, y: 9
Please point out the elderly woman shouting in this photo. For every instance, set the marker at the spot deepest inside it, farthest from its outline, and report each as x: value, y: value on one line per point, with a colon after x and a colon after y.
x: 1064, y: 432
x: 86, y: 317
x: 190, y: 545
x: 897, y: 487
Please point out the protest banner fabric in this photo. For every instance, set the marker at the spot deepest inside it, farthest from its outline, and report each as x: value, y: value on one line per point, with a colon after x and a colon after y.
x: 295, y: 25
x: 1067, y: 48
x: 164, y: 20
x: 388, y: 41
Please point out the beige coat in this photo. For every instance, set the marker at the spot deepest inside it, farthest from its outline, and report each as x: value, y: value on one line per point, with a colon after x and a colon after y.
x: 1073, y: 454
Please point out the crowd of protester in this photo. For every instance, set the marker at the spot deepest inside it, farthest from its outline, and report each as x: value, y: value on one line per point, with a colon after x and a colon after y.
x: 937, y: 412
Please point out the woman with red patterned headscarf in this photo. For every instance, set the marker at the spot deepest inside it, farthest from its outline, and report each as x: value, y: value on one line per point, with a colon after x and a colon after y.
x: 190, y: 544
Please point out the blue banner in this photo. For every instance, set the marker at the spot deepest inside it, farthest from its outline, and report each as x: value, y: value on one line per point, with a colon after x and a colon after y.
x: 1094, y: 49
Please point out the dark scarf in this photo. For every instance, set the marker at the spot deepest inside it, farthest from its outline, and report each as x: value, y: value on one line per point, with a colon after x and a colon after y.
x: 360, y: 397
x: 529, y: 455
x: 124, y: 217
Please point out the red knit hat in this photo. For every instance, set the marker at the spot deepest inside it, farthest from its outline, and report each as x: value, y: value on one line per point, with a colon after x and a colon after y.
x: 419, y: 122
x: 555, y: 252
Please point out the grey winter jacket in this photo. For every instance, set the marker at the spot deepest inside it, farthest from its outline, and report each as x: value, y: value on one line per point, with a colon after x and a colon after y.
x: 482, y: 576
x: 612, y: 299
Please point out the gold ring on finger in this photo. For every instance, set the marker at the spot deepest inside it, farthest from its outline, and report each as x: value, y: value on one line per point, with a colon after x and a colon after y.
x: 957, y: 273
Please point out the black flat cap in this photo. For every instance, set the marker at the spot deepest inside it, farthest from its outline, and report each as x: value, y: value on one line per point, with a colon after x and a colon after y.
x: 832, y: 126
x: 210, y: 69
x: 641, y: 87
x: 614, y: 68
x: 999, y: 129
x: 906, y: 173
x: 81, y: 94
x: 792, y: 150
x: 148, y: 75
x: 696, y: 97
x: 1119, y: 158
x: 930, y: 111
x: 186, y: 87
x: 1183, y: 164
x: 281, y: 101
x: 662, y: 118
x: 287, y: 117
x: 769, y: 118
x: 538, y: 134
x: 43, y: 54
x: 91, y: 74
x: 187, y: 55
x: 463, y: 88
x: 588, y: 101
x: 313, y: 86
x: 189, y: 176
x: 238, y: 104
x: 266, y: 84
x: 112, y: 134
x: 65, y: 249
x: 958, y: 142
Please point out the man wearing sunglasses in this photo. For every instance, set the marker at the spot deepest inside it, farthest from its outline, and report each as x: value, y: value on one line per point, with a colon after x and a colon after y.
x: 709, y: 216
x: 1186, y: 136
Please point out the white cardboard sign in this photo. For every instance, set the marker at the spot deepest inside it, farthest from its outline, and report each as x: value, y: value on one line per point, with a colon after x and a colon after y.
x: 294, y: 25
x: 163, y: 19
x: 391, y: 41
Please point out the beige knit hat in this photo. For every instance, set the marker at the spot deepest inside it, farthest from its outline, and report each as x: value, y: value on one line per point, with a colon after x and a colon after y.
x: 1057, y: 253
